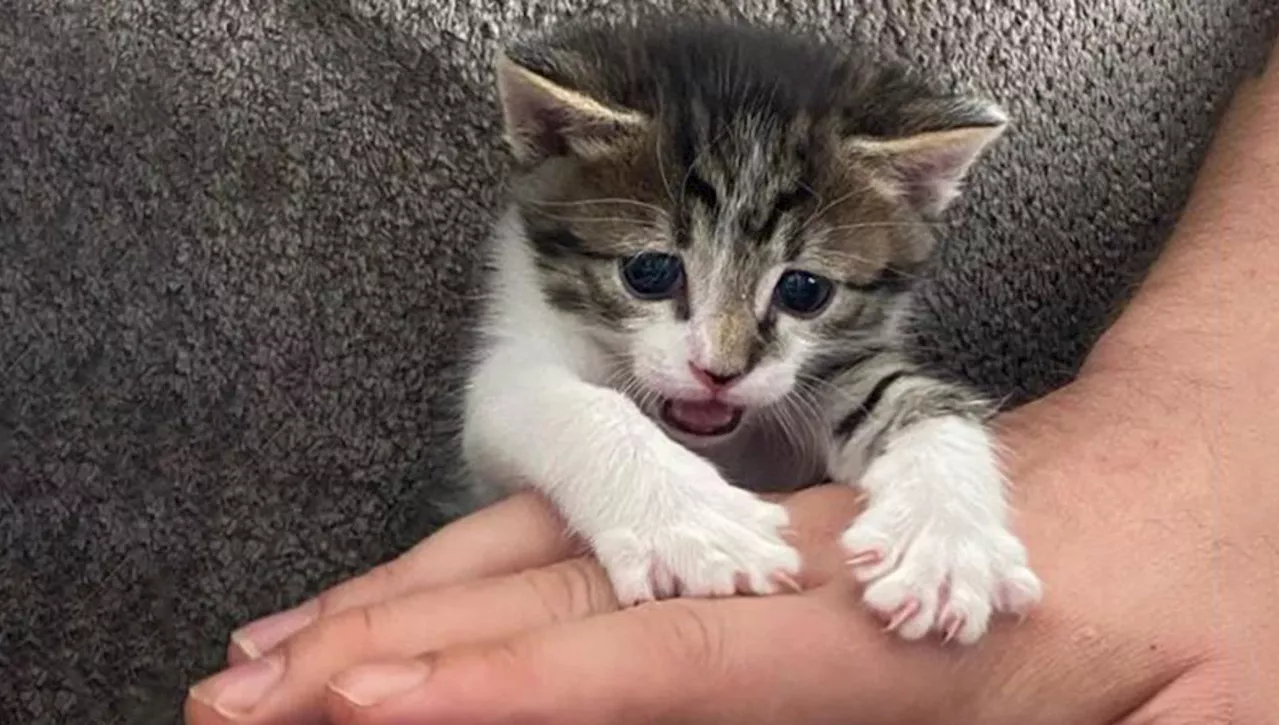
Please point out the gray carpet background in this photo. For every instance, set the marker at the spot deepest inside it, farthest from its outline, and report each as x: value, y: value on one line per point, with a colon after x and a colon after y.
x: 238, y: 257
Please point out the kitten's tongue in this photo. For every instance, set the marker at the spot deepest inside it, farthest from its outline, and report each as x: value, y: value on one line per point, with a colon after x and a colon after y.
x: 702, y: 417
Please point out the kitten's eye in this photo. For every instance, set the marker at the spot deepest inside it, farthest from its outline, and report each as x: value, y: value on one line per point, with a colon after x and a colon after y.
x: 652, y: 275
x: 801, y: 293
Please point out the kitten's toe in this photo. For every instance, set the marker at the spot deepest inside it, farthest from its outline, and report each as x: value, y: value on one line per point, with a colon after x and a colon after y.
x: 982, y: 589
x: 632, y: 571
x: 773, y: 572
x: 1020, y: 591
x: 940, y: 577
x: 908, y: 597
x: 965, y: 615
x: 715, y: 578
x: 632, y: 587
x: 711, y: 551
x: 733, y: 545
x: 874, y: 545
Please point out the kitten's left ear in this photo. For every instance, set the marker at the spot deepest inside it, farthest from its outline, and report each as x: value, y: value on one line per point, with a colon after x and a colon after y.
x: 543, y: 118
x: 926, y: 168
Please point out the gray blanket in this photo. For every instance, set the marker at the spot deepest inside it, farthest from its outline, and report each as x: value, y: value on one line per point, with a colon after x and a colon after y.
x: 238, y: 257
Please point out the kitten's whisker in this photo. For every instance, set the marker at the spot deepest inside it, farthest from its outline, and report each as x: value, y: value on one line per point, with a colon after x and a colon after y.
x: 646, y: 223
x: 603, y: 200
x: 684, y: 183
x: 791, y: 426
x: 810, y: 418
x: 811, y: 190
x: 825, y: 207
x: 778, y: 423
x: 801, y: 426
x: 867, y: 225
x: 843, y: 255
x: 805, y: 404
x: 657, y: 154
x: 828, y: 388
x: 816, y: 408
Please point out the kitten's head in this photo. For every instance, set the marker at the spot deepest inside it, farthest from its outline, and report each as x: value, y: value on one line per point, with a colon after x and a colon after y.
x: 728, y: 209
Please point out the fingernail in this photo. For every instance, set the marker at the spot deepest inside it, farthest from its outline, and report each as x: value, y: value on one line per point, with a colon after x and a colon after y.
x: 371, y: 684
x: 234, y: 692
x: 257, y: 638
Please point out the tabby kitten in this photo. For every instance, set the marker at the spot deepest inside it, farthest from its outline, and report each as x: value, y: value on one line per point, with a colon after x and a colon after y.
x: 701, y: 282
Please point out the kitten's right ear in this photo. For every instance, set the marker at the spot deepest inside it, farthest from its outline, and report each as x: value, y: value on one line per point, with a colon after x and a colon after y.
x: 926, y: 167
x: 543, y: 119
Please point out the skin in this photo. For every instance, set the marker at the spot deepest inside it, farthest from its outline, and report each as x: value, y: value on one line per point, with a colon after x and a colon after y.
x: 1146, y: 494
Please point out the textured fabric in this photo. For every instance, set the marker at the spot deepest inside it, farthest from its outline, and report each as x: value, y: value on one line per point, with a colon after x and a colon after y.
x: 238, y: 254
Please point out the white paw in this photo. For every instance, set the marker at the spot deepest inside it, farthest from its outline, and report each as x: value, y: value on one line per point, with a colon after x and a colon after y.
x: 932, y: 547
x: 939, y: 576
x: 715, y: 546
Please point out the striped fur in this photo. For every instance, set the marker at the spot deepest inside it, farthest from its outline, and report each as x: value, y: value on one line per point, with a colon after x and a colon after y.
x: 744, y: 153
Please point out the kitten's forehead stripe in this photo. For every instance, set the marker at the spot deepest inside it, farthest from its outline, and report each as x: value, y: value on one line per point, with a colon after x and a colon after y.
x: 699, y: 189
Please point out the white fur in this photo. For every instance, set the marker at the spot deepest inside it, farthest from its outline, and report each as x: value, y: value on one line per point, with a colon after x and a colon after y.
x: 543, y: 411
x: 661, y: 519
x: 936, y: 516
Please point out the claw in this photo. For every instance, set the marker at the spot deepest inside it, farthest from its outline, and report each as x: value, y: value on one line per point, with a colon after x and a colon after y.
x: 905, y: 612
x: 786, y: 581
x: 954, y: 624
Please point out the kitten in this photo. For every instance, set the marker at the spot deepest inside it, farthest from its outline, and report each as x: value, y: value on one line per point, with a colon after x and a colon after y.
x: 701, y: 282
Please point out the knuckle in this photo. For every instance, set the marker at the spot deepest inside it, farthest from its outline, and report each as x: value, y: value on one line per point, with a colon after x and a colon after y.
x: 383, y: 578
x: 690, y: 635
x: 334, y: 601
x: 357, y: 625
x: 570, y: 590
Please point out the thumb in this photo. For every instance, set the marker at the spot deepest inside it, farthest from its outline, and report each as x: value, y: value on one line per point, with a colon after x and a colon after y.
x: 804, y: 658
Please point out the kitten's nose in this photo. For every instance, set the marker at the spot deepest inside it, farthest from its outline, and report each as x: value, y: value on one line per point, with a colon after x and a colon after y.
x: 713, y: 380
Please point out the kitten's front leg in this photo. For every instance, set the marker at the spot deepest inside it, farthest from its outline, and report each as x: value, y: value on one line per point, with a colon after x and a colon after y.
x: 661, y: 520
x: 933, y: 546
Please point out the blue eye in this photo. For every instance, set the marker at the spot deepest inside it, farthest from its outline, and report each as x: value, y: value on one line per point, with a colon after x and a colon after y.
x: 652, y: 275
x: 802, y: 294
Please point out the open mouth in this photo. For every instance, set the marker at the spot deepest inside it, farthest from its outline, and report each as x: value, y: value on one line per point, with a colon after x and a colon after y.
x: 703, y: 418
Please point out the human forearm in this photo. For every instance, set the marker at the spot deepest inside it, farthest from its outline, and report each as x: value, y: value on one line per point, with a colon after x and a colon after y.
x: 1164, y: 454
x: 1192, y: 361
x: 1207, y: 311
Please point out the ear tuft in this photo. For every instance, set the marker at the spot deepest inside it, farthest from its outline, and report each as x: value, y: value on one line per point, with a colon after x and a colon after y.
x: 544, y: 119
x: 927, y: 168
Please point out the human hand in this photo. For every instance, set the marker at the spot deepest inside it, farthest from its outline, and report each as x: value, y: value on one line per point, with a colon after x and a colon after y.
x: 476, y: 635
x: 501, y: 571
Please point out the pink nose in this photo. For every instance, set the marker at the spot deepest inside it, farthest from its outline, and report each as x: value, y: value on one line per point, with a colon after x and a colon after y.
x: 715, y: 381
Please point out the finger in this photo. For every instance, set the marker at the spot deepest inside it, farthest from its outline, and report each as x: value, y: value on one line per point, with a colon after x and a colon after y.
x: 520, y: 532
x: 288, y: 684
x: 809, y: 658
